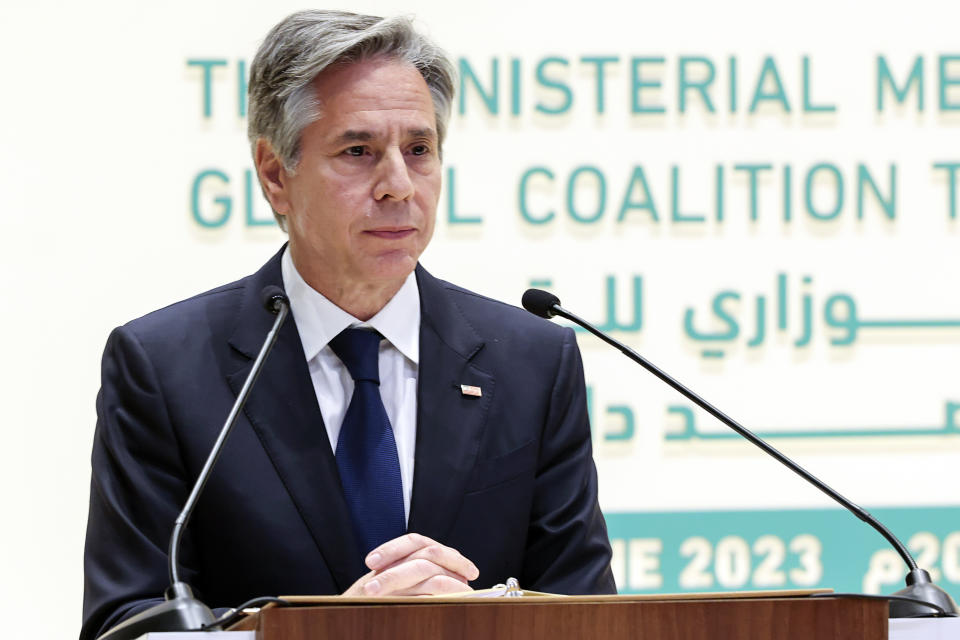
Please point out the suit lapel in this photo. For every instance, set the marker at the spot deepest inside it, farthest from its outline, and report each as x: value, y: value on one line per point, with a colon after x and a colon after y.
x: 449, y: 423
x: 284, y: 413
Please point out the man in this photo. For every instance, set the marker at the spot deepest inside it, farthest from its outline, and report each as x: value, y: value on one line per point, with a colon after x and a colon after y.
x: 471, y: 462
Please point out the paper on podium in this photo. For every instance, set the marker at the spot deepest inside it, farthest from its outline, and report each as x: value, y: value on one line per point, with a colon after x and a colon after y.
x: 509, y: 589
x: 523, y: 595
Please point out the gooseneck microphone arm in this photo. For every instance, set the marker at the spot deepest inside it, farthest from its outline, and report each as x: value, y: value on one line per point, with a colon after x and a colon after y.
x: 180, y: 611
x: 547, y: 305
x: 743, y: 431
x: 275, y: 302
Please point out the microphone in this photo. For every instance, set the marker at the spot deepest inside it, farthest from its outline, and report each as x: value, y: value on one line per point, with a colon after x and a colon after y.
x: 273, y: 298
x: 180, y: 611
x: 915, y: 601
x: 540, y: 303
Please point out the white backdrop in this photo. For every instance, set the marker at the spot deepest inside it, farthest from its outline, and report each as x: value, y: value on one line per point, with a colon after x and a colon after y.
x: 103, y: 134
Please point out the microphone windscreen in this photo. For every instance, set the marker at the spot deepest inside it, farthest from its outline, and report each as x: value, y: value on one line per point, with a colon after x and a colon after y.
x: 540, y: 302
x: 272, y: 297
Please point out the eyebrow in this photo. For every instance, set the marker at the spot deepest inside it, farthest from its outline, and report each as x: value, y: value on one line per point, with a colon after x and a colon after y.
x: 422, y: 133
x: 351, y: 135
x: 354, y: 136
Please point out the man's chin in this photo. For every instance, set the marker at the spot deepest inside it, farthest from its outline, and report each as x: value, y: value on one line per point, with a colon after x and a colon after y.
x: 394, y: 265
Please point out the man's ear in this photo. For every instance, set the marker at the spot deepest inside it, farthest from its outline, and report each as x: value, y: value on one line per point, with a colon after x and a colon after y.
x: 273, y: 177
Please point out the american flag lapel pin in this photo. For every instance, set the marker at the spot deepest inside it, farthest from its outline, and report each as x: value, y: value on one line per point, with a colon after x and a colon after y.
x: 470, y: 390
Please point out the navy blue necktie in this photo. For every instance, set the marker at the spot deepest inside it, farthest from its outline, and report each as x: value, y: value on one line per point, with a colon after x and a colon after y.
x: 366, y: 450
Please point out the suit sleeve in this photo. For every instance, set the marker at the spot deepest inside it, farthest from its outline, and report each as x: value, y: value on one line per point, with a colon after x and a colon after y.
x: 567, y: 546
x: 137, y: 487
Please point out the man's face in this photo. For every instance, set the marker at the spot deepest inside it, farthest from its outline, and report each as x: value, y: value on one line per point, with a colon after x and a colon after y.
x: 361, y: 208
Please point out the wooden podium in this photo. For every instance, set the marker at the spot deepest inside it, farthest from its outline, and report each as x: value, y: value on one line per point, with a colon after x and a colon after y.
x: 740, y: 616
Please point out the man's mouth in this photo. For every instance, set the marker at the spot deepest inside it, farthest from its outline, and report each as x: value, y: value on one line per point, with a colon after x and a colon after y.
x: 391, y: 233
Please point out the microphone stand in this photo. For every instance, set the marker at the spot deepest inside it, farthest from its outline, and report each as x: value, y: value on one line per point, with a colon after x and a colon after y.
x: 920, y: 589
x: 180, y: 611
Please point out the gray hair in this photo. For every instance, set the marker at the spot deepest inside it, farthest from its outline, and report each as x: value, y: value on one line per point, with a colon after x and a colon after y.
x: 282, y: 101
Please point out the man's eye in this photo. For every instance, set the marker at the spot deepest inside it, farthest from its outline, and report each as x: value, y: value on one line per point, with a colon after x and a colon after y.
x: 354, y: 151
x: 420, y: 149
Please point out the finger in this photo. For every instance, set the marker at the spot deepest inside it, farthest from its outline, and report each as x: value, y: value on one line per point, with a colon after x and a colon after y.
x: 413, y: 546
x: 436, y: 585
x: 446, y: 557
x: 356, y: 589
x: 395, y: 550
x: 406, y: 575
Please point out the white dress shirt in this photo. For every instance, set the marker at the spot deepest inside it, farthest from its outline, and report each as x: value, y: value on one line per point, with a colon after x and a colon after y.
x: 319, y: 321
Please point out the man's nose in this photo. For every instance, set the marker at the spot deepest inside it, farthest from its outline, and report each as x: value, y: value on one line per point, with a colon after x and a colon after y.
x: 393, y: 177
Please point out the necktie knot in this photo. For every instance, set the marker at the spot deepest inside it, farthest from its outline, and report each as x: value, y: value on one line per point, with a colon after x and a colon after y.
x: 359, y: 350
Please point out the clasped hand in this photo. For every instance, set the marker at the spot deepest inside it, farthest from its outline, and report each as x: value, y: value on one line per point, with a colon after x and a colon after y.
x: 414, y: 565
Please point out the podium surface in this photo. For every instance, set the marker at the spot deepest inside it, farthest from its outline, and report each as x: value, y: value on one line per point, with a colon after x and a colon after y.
x: 719, y: 617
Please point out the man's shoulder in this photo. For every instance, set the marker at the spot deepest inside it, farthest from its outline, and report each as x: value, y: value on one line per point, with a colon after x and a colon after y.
x: 211, y: 312
x: 492, y: 318
x: 201, y: 312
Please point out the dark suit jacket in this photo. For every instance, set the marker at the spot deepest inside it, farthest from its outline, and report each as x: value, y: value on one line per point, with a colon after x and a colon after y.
x: 507, y: 478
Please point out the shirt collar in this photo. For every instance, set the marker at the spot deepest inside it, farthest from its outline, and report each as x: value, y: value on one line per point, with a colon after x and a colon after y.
x: 319, y: 320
